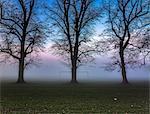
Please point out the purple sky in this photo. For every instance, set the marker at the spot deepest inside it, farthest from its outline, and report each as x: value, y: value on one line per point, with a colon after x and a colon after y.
x: 52, y: 69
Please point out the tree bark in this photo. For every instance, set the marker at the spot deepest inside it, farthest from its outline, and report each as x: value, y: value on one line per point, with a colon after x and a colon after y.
x: 123, y: 68
x: 74, y: 74
x: 21, y: 72
x: 21, y: 64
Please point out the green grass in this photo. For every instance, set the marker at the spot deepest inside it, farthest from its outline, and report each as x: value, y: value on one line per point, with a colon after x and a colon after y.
x: 71, y: 99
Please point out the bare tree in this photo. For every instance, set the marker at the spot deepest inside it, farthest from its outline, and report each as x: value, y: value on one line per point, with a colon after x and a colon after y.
x: 21, y: 33
x: 125, y: 20
x: 74, y: 21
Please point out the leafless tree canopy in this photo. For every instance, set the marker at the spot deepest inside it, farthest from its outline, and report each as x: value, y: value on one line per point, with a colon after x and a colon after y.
x: 21, y: 33
x: 127, y: 25
x: 74, y: 20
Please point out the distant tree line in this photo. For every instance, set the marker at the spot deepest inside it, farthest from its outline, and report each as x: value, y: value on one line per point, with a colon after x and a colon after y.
x: 23, y: 32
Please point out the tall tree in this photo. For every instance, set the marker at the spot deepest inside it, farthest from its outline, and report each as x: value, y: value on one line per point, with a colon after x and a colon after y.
x: 21, y: 33
x: 74, y: 20
x: 125, y: 18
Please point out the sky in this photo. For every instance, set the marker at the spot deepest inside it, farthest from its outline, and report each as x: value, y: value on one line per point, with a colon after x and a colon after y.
x: 51, y: 69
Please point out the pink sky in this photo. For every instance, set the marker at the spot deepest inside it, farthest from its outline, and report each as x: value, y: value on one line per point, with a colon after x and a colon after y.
x: 52, y: 69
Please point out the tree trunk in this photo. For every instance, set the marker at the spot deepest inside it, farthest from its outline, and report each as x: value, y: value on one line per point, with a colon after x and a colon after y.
x: 21, y: 72
x: 74, y: 74
x: 123, y: 68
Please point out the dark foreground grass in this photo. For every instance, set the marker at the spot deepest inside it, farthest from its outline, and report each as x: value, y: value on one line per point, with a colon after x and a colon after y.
x: 73, y: 99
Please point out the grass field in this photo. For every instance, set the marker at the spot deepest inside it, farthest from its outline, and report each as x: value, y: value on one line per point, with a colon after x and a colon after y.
x: 73, y: 99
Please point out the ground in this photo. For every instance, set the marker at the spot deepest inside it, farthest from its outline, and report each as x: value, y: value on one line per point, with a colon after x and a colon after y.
x: 35, y: 98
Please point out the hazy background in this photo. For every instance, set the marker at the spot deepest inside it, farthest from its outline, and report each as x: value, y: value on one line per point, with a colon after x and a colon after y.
x: 52, y: 69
